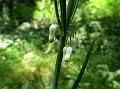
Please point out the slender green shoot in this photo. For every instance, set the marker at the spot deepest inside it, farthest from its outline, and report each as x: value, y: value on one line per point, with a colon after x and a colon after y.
x: 75, y: 7
x: 75, y: 85
x: 58, y: 64
x: 63, y: 14
x: 70, y: 9
x: 57, y: 13
x: 62, y: 44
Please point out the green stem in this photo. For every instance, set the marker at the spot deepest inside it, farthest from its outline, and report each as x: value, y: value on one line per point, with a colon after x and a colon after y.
x: 76, y: 5
x: 58, y: 63
x: 57, y: 13
x: 70, y: 9
x: 84, y: 65
x: 62, y: 44
x: 63, y: 14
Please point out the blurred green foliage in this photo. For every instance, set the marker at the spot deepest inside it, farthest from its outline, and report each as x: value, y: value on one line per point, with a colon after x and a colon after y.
x: 23, y: 63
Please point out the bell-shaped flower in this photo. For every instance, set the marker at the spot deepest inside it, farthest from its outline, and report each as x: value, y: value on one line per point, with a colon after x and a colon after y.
x: 53, y: 46
x: 52, y: 31
x: 56, y: 44
x: 67, y: 53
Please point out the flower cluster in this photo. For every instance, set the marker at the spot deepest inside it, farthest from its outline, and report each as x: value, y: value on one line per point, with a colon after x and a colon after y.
x: 68, y: 50
x: 54, y: 31
x: 54, y: 44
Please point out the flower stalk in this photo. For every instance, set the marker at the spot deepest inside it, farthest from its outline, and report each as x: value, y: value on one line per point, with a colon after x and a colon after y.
x: 64, y: 20
x: 62, y: 25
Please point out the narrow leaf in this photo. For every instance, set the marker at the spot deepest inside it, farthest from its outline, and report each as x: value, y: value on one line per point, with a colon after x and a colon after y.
x: 70, y: 10
x: 76, y: 5
x: 84, y: 64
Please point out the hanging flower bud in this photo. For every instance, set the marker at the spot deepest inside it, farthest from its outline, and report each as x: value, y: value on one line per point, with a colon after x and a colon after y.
x: 56, y: 44
x: 64, y: 51
x: 67, y: 53
x: 52, y: 31
x: 73, y: 43
x: 53, y: 46
x: 50, y: 48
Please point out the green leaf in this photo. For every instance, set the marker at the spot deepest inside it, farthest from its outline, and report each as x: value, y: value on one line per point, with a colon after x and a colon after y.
x: 71, y: 9
x: 84, y: 64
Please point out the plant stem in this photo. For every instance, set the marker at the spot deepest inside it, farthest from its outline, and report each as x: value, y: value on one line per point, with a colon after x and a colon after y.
x: 62, y: 41
x: 84, y: 64
x: 63, y: 14
x: 58, y: 63
x: 57, y: 13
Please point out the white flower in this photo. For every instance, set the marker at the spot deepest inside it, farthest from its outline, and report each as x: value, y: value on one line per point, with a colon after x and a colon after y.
x: 67, y: 53
x: 53, y: 46
x: 64, y: 51
x: 52, y: 31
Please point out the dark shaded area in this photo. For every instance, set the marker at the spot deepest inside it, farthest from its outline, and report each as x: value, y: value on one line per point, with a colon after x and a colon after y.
x: 16, y: 10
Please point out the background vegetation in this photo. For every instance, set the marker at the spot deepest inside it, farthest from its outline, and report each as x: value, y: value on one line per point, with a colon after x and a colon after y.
x: 24, y: 30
